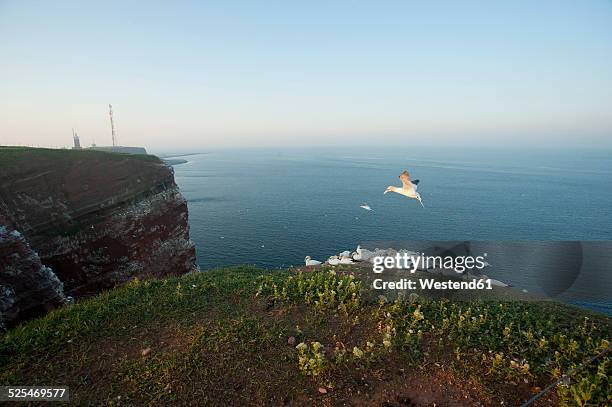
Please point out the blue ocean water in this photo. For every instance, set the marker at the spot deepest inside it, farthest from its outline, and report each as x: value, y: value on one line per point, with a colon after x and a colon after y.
x: 272, y: 208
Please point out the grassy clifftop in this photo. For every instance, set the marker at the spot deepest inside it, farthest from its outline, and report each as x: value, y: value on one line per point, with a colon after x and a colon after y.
x: 243, y: 335
x: 14, y: 154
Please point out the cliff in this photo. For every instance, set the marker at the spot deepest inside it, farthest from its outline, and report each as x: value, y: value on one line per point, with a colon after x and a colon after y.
x: 27, y: 288
x: 97, y: 219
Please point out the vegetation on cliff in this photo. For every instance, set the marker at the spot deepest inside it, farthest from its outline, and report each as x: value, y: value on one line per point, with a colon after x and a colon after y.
x: 15, y: 154
x: 251, y: 336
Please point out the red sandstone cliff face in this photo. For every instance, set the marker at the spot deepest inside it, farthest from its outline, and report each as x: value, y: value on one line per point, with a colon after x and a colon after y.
x: 96, y: 219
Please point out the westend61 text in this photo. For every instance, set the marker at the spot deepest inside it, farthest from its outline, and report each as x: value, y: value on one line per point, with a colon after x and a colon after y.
x: 431, y: 284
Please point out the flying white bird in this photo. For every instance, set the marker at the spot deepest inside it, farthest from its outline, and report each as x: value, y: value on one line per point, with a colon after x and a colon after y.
x: 365, y: 206
x: 408, y: 188
x: 310, y: 262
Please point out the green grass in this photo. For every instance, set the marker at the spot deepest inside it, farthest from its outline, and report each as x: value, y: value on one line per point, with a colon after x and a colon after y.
x: 11, y: 155
x: 221, y: 337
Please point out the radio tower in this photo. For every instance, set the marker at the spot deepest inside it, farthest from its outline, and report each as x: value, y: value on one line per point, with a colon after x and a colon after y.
x: 113, y: 132
x: 77, y: 142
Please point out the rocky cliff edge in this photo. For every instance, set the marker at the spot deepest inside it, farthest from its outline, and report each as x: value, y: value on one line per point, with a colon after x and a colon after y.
x: 93, y: 219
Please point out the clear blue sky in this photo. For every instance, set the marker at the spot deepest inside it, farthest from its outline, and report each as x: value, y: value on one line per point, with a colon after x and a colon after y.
x: 200, y: 74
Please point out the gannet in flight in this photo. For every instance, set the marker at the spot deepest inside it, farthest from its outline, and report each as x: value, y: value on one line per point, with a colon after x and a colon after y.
x: 365, y: 206
x: 408, y: 188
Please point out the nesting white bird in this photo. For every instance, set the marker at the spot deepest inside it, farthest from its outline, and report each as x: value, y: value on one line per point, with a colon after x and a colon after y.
x: 333, y: 261
x: 346, y: 260
x: 379, y: 252
x: 365, y: 206
x: 494, y: 282
x: 345, y: 253
x: 391, y: 252
x: 498, y: 283
x: 408, y: 189
x: 310, y: 262
x: 362, y: 254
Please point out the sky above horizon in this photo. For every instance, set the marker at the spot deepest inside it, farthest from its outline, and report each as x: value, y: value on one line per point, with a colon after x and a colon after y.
x: 276, y: 73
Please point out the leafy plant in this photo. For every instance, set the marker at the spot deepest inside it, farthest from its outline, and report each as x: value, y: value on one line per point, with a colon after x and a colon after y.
x: 311, y: 360
x: 323, y: 290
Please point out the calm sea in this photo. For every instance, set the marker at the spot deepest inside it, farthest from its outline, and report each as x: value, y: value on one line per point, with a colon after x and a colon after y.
x: 272, y: 208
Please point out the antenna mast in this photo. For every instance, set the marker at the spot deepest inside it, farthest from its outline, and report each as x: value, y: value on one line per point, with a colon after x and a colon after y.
x: 77, y: 142
x: 113, y: 132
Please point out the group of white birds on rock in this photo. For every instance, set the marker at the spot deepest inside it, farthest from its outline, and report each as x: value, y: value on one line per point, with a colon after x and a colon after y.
x: 365, y: 255
x: 359, y: 255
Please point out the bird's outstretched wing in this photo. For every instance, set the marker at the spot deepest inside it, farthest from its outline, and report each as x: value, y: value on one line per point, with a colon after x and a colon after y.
x: 406, y: 184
